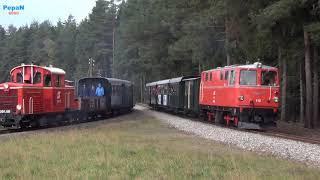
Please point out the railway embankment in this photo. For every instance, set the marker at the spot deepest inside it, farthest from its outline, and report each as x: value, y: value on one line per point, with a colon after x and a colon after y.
x: 263, y: 144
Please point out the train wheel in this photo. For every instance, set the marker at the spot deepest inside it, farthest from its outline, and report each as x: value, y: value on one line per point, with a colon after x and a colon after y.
x: 236, y: 121
x: 204, y: 116
x: 23, y: 125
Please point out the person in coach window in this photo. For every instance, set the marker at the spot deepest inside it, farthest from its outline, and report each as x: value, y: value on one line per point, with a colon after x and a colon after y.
x: 99, y: 90
x: 92, y: 92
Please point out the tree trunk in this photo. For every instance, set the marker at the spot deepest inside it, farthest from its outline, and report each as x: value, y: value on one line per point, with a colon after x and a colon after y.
x: 302, y: 114
x: 308, y: 119
x: 199, y: 67
x: 315, y: 88
x: 227, y: 43
x: 141, y: 89
x: 283, y: 85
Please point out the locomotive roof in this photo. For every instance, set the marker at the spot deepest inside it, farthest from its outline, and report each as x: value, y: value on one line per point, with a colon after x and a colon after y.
x: 51, y: 69
x: 255, y: 66
x: 170, y: 81
x: 248, y: 66
x: 55, y: 70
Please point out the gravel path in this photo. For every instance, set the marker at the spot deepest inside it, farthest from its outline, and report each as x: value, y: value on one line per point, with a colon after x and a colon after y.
x: 288, y: 149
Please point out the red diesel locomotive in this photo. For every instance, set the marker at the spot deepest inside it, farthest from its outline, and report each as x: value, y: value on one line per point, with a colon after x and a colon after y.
x: 33, y: 92
x: 246, y: 96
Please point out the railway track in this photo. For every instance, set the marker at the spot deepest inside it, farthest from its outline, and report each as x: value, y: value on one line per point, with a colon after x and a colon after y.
x: 64, y: 126
x: 5, y: 131
x: 275, y: 133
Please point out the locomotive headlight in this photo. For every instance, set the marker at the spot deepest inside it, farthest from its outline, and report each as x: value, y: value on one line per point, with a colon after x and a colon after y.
x: 241, y: 98
x: 276, y: 99
x: 6, y: 86
x: 19, y: 107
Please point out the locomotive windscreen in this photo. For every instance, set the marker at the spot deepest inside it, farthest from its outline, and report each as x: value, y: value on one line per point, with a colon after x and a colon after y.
x: 269, y: 78
x: 248, y: 77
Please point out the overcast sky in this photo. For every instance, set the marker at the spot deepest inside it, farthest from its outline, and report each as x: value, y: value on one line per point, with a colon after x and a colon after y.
x: 41, y: 10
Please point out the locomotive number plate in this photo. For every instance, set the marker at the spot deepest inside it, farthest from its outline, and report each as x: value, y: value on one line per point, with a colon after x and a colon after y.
x: 5, y: 111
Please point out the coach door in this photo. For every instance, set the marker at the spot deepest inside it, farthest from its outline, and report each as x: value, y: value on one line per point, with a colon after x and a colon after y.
x: 187, y: 94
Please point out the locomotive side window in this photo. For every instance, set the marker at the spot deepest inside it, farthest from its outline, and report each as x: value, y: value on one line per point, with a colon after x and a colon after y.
x: 232, y: 78
x: 19, y: 78
x: 58, y: 81
x: 47, y: 81
x: 248, y: 77
x: 37, y: 78
x: 268, y: 78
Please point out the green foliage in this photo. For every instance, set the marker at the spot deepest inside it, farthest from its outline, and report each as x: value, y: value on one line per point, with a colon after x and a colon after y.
x: 65, y: 45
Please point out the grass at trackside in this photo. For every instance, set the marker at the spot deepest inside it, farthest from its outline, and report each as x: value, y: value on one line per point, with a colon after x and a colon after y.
x: 136, y: 148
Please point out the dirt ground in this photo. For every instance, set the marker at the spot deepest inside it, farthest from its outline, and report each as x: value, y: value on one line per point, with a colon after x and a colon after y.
x: 297, y: 129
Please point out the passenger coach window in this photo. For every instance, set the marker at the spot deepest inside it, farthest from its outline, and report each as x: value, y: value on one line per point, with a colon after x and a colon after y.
x: 221, y: 75
x: 47, y: 81
x: 37, y: 78
x: 211, y: 76
x: 268, y: 78
x: 226, y: 76
x: 207, y: 76
x: 248, y: 77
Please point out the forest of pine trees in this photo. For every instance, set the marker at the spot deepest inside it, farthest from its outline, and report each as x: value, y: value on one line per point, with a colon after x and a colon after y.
x: 157, y: 39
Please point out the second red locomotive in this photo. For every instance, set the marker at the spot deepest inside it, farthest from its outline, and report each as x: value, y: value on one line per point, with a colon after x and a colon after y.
x: 246, y: 96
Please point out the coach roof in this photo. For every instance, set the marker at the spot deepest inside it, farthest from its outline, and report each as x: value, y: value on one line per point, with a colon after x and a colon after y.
x: 170, y: 81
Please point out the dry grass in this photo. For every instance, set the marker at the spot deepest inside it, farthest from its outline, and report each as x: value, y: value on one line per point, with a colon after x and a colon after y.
x: 136, y: 148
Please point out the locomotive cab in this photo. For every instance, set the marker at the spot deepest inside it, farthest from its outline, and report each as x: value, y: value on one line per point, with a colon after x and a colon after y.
x: 258, y: 94
x: 33, y: 92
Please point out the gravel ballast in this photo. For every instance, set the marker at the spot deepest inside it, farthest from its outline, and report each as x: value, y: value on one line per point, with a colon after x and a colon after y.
x: 283, y: 148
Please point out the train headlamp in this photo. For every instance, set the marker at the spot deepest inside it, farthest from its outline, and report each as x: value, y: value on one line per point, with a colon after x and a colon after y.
x: 19, y: 107
x: 258, y: 64
x: 241, y: 98
x: 6, y: 86
x: 276, y: 99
